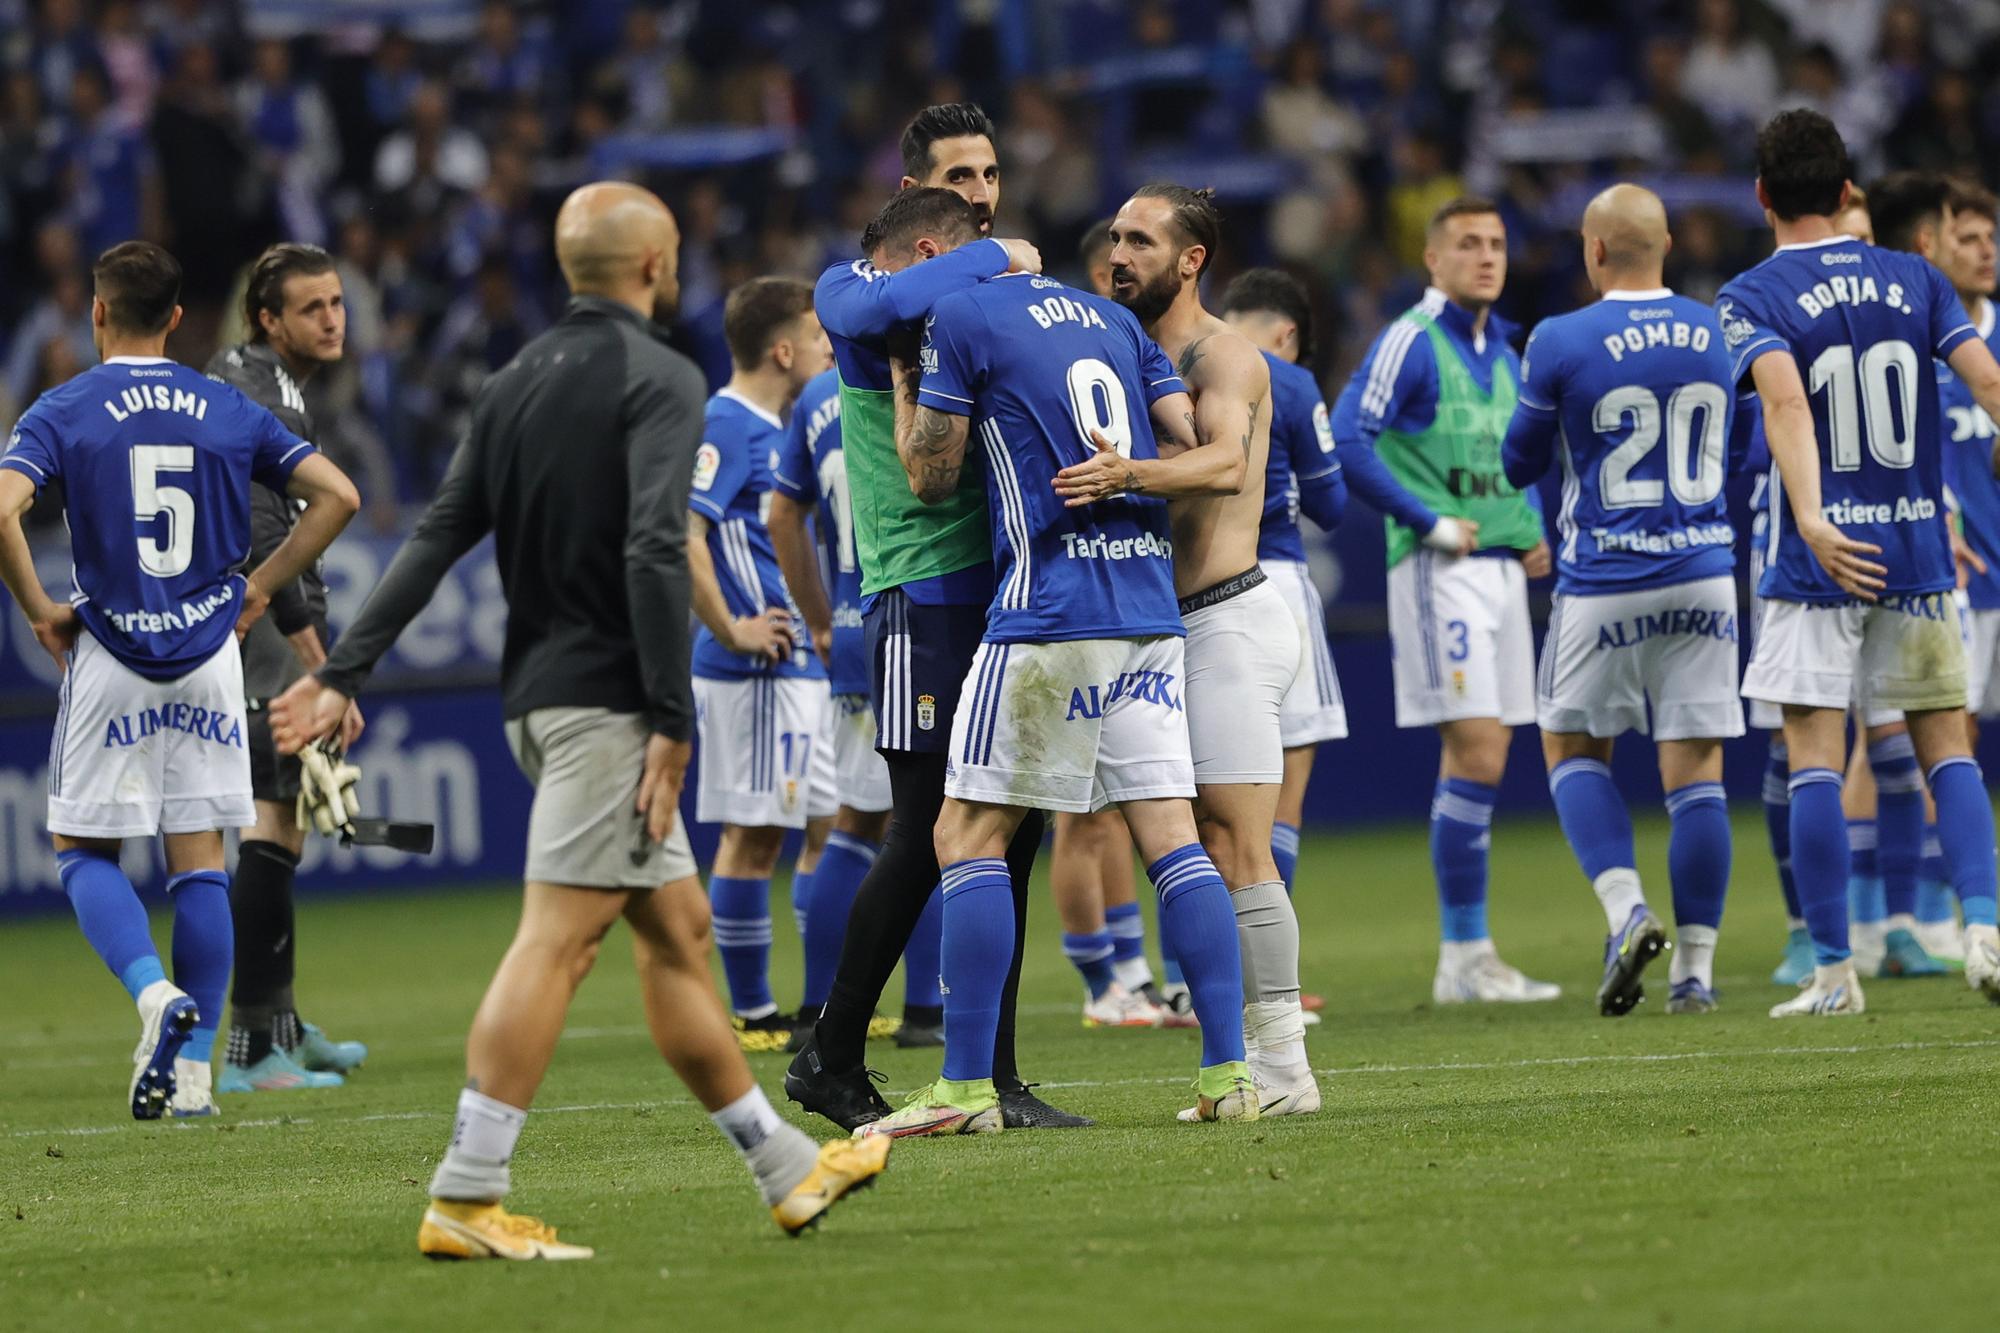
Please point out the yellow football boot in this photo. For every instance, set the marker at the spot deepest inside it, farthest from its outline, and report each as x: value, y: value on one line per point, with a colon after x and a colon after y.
x: 487, y: 1231
x: 844, y: 1166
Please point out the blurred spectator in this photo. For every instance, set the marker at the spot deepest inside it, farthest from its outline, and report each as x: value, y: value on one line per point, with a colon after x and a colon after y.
x: 392, y: 81
x: 61, y: 315
x: 1691, y: 138
x: 643, y: 66
x: 61, y: 46
x: 1728, y: 73
x: 106, y: 176
x: 1300, y: 117
x: 481, y: 332
x: 292, y: 127
x: 1423, y: 183
x: 502, y: 68
x: 1941, y: 132
x: 430, y: 157
x: 214, y: 193
x: 128, y: 56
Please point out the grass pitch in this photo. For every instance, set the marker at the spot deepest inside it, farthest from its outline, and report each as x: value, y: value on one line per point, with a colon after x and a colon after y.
x: 1534, y: 1167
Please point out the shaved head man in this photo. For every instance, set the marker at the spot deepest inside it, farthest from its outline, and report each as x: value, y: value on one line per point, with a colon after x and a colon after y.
x: 1625, y: 230
x: 1638, y: 390
x: 581, y: 457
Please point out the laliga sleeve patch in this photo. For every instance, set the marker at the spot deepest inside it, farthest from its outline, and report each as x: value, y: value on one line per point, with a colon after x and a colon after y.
x: 707, y: 461
x: 1323, y: 426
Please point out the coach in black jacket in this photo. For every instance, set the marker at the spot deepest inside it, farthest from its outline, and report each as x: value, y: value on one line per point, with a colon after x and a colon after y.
x: 579, y: 460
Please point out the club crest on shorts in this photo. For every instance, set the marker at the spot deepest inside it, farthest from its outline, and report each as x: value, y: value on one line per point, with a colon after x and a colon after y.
x: 1458, y: 683
x: 926, y: 712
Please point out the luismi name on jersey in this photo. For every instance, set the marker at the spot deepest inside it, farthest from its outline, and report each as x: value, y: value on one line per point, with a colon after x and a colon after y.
x: 138, y: 398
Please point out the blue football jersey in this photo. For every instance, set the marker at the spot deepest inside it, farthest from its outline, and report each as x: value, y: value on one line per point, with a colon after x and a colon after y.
x: 156, y: 461
x: 732, y: 490
x: 1637, y: 388
x: 1968, y: 469
x: 812, y: 471
x: 1301, y: 459
x: 1037, y: 366
x: 1862, y: 323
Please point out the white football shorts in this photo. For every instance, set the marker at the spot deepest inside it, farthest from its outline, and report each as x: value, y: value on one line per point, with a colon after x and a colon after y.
x: 1242, y: 658
x: 1461, y: 637
x: 1982, y: 643
x: 1314, y: 710
x: 1072, y: 726
x: 1607, y: 656
x: 133, y: 757
x: 1903, y: 654
x: 861, y: 774
x: 759, y: 736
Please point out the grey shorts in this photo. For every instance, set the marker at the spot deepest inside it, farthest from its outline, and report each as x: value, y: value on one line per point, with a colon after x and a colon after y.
x: 584, y: 830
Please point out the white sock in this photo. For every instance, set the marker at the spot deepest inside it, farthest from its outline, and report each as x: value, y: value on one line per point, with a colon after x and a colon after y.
x: 1132, y: 973
x: 752, y: 1015
x: 474, y: 1168
x: 1795, y: 923
x: 154, y: 996
x: 1275, y: 1035
x: 1618, y: 890
x: 1904, y: 921
x: 1981, y: 934
x: 779, y: 1156
x: 1463, y: 953
x: 1694, y: 955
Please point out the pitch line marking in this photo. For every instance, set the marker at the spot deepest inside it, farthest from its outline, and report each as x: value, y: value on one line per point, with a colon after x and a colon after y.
x: 1338, y: 1071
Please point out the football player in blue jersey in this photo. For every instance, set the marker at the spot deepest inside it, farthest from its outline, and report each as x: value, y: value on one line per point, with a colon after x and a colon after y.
x: 1075, y: 696
x: 1270, y: 308
x: 810, y: 479
x: 1835, y: 336
x: 155, y: 461
x: 761, y: 698
x: 1419, y: 427
x: 1797, y: 964
x: 1634, y: 395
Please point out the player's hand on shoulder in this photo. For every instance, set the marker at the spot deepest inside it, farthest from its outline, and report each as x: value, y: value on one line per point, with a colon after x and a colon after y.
x: 1022, y: 256
x: 306, y: 712
x: 56, y: 632
x: 255, y: 603
x: 1453, y: 536
x: 660, y: 783
x: 1537, y: 561
x: 1105, y: 473
x: 768, y: 636
x: 1845, y: 559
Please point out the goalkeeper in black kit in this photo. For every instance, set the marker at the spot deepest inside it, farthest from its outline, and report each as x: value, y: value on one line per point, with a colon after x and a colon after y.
x: 297, y: 324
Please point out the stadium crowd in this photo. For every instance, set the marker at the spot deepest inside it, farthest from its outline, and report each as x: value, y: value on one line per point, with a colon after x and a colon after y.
x: 431, y: 159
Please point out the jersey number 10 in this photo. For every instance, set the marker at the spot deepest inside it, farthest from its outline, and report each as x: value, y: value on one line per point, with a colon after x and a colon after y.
x: 1694, y: 462
x: 169, y: 550
x: 1892, y: 434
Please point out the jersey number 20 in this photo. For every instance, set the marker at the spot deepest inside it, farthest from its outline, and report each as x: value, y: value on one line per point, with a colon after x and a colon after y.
x: 1694, y: 463
x: 169, y: 549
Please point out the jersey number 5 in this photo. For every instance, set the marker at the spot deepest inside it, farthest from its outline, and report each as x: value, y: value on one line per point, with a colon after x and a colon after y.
x: 1694, y: 462
x: 168, y: 510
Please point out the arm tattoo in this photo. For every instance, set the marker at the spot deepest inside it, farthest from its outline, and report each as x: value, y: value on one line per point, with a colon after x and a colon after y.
x: 1250, y: 426
x: 935, y: 453
x: 1190, y: 354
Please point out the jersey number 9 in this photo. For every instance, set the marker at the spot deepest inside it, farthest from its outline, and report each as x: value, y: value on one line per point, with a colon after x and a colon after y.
x: 168, y: 549
x: 1097, y: 400
x: 1694, y: 462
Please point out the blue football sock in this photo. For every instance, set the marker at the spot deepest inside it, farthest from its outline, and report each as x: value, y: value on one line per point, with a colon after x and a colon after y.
x: 1899, y: 821
x: 1128, y: 932
x: 204, y: 950
x: 802, y: 888
x: 1935, y: 900
x: 1285, y: 851
x: 1196, y: 918
x: 1461, y: 833
x: 1778, y: 822
x: 741, y: 911
x: 842, y: 865
x: 1965, y: 835
x: 923, y: 958
x: 1864, y: 883
x: 978, y: 950
x: 1592, y: 814
x: 1698, y: 852
x: 1819, y: 860
x: 1170, y: 966
x: 1092, y: 956
x: 112, y: 917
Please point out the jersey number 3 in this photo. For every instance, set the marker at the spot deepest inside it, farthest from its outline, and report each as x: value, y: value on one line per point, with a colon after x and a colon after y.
x: 168, y: 511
